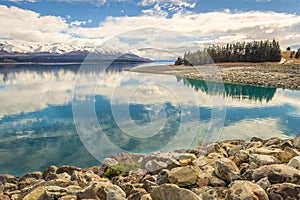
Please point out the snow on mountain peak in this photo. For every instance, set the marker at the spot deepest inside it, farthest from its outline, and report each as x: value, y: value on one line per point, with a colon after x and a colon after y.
x: 53, y: 48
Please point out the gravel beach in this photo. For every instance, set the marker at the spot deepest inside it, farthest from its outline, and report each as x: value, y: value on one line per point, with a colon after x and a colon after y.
x: 259, y: 74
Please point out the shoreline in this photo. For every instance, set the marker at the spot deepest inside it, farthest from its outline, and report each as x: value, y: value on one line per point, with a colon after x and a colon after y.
x: 230, y: 169
x: 272, y: 75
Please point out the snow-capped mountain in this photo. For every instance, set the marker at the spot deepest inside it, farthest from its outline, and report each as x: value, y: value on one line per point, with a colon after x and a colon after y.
x: 53, y: 48
x: 60, y: 53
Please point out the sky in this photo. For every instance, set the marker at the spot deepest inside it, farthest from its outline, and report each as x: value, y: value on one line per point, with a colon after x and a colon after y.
x: 142, y: 26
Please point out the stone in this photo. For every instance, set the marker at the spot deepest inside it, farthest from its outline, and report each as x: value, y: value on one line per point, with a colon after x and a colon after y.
x: 264, y: 151
x: 232, y: 149
x: 211, y: 193
x: 284, y: 156
x: 200, y: 162
x: 146, y: 197
x: 67, y: 169
x: 78, y: 176
x: 4, y: 197
x: 296, y: 142
x: 162, y: 177
x: 102, y: 191
x: 128, y: 157
x: 6, y: 178
x: 212, y: 148
x: 46, y: 192
x: 184, y: 176
x: 29, y: 179
x: 206, y: 193
x: 277, y: 173
x: 227, y: 170
x: 68, y: 197
x: 264, y: 183
x: 284, y: 191
x: 261, y: 160
x: 155, y: 166
x: 110, y: 162
x: 295, y: 162
x: 156, y: 162
x: 149, y: 185
x: 50, y: 173
x: 137, y: 194
x: 111, y: 192
x: 216, y: 182
x: 203, y: 179
x: 272, y: 141
x: 73, y: 189
x: 243, y: 155
x: 173, y: 192
x: 245, y: 190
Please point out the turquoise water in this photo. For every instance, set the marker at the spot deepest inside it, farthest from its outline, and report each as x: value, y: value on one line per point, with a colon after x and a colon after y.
x: 56, y: 115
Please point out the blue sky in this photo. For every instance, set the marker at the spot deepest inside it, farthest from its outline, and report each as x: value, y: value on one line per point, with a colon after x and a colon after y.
x: 94, y: 22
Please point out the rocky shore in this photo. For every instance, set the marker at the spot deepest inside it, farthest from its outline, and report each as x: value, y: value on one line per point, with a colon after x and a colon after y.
x: 232, y: 170
x: 258, y: 74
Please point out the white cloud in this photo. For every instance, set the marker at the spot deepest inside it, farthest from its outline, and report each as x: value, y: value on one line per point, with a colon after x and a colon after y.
x: 192, y: 30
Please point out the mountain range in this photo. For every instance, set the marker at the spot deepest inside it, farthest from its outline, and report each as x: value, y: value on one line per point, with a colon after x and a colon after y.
x: 59, y: 53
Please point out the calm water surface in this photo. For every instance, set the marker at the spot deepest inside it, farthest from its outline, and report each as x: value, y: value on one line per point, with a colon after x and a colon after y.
x: 137, y: 112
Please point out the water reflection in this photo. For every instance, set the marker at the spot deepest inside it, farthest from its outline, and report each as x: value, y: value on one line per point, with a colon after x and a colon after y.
x: 37, y: 127
x: 238, y: 91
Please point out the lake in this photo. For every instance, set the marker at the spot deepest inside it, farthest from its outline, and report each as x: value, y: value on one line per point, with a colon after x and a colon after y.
x: 72, y: 115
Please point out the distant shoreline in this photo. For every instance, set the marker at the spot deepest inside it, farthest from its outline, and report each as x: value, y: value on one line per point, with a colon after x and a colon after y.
x: 286, y: 76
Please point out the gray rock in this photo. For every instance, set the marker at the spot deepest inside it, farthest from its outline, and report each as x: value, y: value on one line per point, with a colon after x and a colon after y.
x: 296, y: 142
x: 128, y: 157
x: 163, y: 177
x: 239, y: 190
x: 295, y: 162
x: 277, y: 173
x: 264, y: 183
x: 156, y: 162
x: 284, y: 191
x: 242, y: 155
x: 110, y: 162
x: 227, y: 170
x: 212, y: 148
x: 261, y: 160
x: 173, y: 192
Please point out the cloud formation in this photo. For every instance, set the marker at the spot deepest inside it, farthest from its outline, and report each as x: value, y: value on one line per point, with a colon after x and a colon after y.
x: 193, y: 30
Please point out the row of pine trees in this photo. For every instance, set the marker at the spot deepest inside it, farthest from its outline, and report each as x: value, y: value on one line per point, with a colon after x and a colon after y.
x: 256, y: 51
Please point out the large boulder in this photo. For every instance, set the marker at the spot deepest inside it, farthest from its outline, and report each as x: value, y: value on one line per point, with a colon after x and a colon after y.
x: 284, y: 191
x: 184, y: 176
x: 173, y: 192
x: 277, y: 173
x: 227, y: 170
x: 239, y: 190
